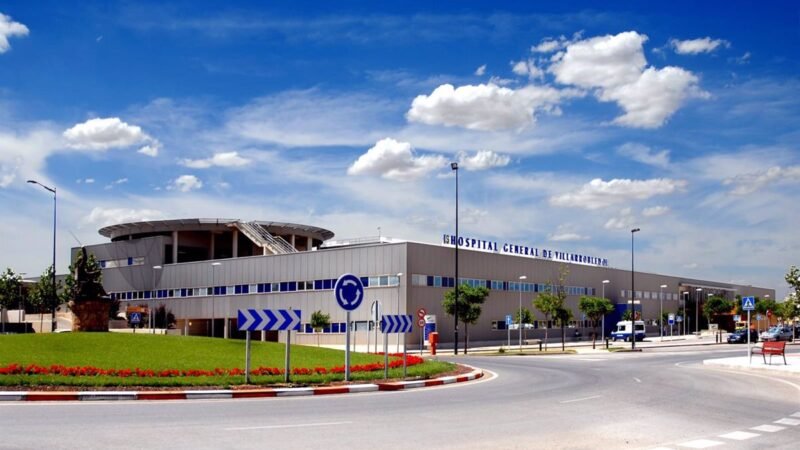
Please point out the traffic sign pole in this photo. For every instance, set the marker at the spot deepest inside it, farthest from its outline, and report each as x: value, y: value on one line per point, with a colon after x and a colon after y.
x: 385, y: 355
x: 405, y: 355
x: 749, y: 350
x: 347, y: 349
x: 247, y: 358
x: 288, y: 355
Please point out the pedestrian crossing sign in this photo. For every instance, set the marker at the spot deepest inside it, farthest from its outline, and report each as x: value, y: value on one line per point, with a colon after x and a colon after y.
x: 748, y: 303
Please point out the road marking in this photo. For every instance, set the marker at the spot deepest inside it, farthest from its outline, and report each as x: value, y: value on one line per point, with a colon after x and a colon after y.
x: 792, y: 422
x: 768, y: 428
x: 701, y: 443
x: 293, y: 425
x: 797, y: 414
x: 580, y: 399
x: 637, y: 380
x: 739, y: 435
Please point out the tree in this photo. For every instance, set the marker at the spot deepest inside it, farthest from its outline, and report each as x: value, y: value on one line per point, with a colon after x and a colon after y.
x: 527, y: 318
x: 716, y: 305
x: 787, y: 309
x: 319, y: 320
x: 10, y: 293
x: 595, y: 309
x: 765, y: 305
x: 42, y: 295
x: 551, y: 301
x: 563, y: 315
x: 626, y: 315
x: 793, y: 278
x: 469, y: 306
x: 163, y: 317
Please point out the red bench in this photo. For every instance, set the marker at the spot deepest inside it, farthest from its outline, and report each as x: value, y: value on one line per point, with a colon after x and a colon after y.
x: 771, y: 348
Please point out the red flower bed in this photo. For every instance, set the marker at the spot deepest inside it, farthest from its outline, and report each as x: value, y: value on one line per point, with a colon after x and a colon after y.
x: 90, y: 371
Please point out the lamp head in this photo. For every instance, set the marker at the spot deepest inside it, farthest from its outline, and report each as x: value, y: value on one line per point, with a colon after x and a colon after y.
x: 606, y: 281
x: 454, y: 165
x: 635, y: 230
x: 523, y: 277
x: 663, y: 286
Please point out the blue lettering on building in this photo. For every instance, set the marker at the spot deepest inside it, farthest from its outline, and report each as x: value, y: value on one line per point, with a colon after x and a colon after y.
x: 523, y: 250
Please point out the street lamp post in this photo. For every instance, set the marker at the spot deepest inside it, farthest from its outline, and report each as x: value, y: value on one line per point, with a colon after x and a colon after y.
x: 21, y: 302
x: 633, y: 295
x: 603, y: 321
x: 454, y: 167
x: 697, y: 311
x: 661, y: 307
x: 397, y: 311
x: 522, y: 277
x: 685, y: 298
x: 55, y: 294
x: 214, y: 296
x: 153, y: 298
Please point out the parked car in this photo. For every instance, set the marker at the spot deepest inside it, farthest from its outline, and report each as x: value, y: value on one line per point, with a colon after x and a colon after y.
x: 777, y: 334
x: 740, y: 336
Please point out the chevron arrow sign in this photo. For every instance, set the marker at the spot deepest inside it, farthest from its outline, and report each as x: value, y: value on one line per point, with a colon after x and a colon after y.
x: 269, y: 319
x: 396, y: 324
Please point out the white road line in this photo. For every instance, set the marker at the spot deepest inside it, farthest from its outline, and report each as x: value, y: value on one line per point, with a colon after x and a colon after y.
x: 637, y: 380
x: 294, y: 425
x: 768, y: 428
x: 786, y: 421
x: 580, y: 399
x: 700, y: 443
x: 739, y: 435
x: 797, y: 414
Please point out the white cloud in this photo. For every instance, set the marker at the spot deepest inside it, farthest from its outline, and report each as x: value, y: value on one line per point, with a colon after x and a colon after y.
x: 9, y: 28
x: 186, y: 183
x: 747, y: 183
x: 744, y: 59
x: 625, y: 219
x: 549, y: 44
x: 696, y: 46
x: 565, y: 233
x: 482, y: 159
x: 486, y: 107
x: 395, y: 161
x: 23, y: 154
x: 312, y: 118
x: 480, y: 70
x: 121, y: 181
x: 616, y: 67
x: 102, y: 217
x: 104, y: 134
x: 599, y: 194
x: 655, y: 211
x: 644, y: 154
x: 527, y: 69
x: 89, y: 180
x: 150, y: 150
x: 224, y: 159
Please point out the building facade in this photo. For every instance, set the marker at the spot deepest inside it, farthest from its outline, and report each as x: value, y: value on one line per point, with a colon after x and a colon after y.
x: 205, y: 270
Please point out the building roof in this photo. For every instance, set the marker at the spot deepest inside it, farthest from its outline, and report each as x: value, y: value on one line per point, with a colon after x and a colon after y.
x: 199, y: 224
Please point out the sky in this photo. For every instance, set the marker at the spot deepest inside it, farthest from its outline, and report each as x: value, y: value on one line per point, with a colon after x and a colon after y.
x: 571, y: 124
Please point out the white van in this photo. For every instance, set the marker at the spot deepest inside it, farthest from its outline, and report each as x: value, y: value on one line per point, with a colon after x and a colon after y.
x: 623, y: 331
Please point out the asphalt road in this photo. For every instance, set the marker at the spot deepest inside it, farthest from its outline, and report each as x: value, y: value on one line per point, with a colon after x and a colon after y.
x: 655, y: 399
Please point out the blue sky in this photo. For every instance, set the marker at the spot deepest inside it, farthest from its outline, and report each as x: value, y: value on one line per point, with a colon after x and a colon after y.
x: 572, y: 124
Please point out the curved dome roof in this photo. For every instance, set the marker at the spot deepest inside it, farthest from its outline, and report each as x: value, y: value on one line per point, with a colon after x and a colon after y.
x: 161, y: 226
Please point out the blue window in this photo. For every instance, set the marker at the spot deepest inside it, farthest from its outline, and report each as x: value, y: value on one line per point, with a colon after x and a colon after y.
x: 130, y: 261
x: 317, y: 285
x: 189, y: 292
x: 183, y: 292
x: 237, y: 289
x: 365, y: 281
x: 292, y: 286
x: 147, y: 294
x: 342, y: 327
x: 102, y: 264
x: 129, y: 295
x: 429, y: 280
x: 335, y: 327
x: 284, y: 286
x: 260, y: 288
x: 326, y: 329
x: 326, y: 284
x: 245, y: 289
x: 308, y: 328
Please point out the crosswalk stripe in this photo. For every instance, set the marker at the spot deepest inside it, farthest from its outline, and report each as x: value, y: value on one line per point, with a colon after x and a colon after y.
x: 739, y: 435
x: 768, y: 428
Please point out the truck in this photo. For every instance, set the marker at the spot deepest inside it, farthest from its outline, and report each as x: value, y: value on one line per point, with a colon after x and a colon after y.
x: 623, y: 331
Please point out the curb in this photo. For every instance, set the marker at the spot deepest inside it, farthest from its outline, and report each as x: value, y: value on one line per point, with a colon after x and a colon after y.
x: 23, y: 396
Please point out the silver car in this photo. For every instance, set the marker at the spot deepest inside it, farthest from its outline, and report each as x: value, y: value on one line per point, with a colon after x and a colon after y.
x: 777, y: 334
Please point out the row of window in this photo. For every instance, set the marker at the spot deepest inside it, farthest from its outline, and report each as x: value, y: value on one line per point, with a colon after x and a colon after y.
x: 536, y: 324
x: 495, y: 285
x: 130, y: 261
x: 647, y: 295
x: 256, y: 288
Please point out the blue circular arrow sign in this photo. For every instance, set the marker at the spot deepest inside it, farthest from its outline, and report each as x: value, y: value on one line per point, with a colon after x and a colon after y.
x: 349, y: 291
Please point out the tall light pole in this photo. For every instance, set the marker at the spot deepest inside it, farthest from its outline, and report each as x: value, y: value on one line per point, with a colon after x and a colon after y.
x: 685, y: 298
x: 633, y: 295
x: 603, y: 322
x: 454, y: 167
x: 214, y: 296
x: 153, y: 298
x: 521, y: 277
x: 396, y: 311
x: 55, y: 294
x: 661, y: 307
x: 21, y: 301
x: 697, y: 311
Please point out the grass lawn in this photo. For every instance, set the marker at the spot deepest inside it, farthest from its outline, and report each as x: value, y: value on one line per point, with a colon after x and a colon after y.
x: 158, y: 352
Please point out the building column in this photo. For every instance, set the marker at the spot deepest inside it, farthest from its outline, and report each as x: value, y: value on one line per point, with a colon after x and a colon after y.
x: 212, y: 251
x: 225, y: 329
x: 174, y: 247
x: 235, y: 244
x: 293, y: 246
x: 309, y: 243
